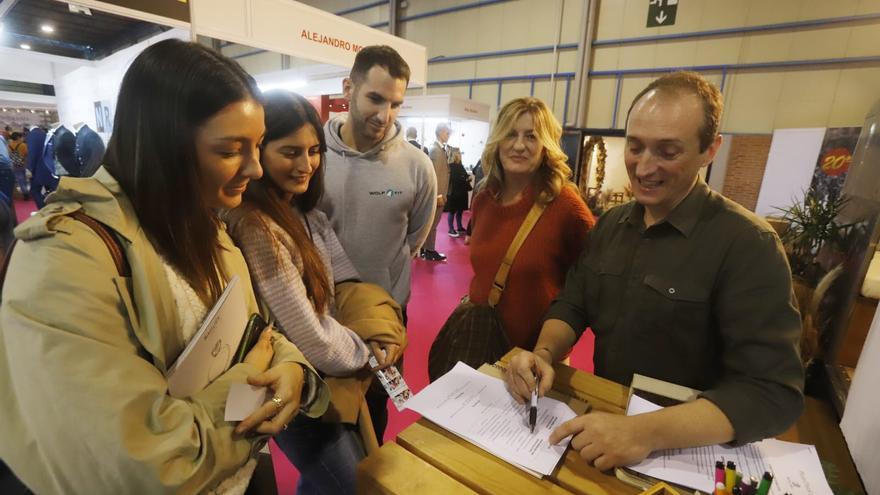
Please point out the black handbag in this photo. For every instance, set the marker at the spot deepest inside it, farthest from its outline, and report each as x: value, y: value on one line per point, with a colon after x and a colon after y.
x: 473, y: 333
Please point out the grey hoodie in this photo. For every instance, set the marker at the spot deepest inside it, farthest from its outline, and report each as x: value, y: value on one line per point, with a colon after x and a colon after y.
x: 380, y: 204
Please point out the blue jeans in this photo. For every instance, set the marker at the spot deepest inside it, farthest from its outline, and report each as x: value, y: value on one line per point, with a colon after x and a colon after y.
x: 457, y: 215
x: 326, y: 455
x: 7, y: 183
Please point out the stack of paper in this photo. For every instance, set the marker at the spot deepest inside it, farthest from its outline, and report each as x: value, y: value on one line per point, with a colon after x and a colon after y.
x: 795, y: 467
x: 478, y: 408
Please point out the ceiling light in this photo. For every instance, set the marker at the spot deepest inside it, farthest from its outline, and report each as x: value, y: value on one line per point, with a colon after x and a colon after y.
x: 46, y: 28
x: 47, y: 112
x: 32, y: 110
x: 17, y: 110
x: 24, y: 46
x: 76, y: 9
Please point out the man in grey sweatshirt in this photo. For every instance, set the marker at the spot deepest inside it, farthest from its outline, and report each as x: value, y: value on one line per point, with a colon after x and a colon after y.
x: 380, y: 193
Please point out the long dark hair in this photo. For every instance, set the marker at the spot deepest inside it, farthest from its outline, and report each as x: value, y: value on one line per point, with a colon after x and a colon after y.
x: 286, y: 113
x: 169, y: 90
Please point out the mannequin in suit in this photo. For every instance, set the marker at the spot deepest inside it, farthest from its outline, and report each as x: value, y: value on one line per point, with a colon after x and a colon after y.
x: 58, y: 154
x: 89, y: 150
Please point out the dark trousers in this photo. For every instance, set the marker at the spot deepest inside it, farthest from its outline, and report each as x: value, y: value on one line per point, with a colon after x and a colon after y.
x: 457, y: 215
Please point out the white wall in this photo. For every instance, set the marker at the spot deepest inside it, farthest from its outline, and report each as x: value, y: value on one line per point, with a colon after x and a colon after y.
x: 719, y: 165
x: 33, y: 67
x: 77, y: 91
x: 790, y: 167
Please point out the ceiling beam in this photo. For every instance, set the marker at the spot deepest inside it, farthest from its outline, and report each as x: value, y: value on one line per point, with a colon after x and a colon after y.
x: 6, y: 6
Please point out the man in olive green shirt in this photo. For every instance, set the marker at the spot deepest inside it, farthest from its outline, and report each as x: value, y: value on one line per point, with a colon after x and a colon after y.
x: 683, y: 285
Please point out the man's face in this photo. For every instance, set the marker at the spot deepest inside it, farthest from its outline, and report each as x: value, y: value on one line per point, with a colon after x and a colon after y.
x: 374, y: 103
x: 662, y: 154
x: 443, y: 135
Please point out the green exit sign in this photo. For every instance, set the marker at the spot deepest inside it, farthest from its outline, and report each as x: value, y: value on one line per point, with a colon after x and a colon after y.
x: 662, y: 12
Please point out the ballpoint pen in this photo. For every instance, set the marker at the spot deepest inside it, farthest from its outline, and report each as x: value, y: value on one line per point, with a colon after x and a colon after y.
x: 533, y: 409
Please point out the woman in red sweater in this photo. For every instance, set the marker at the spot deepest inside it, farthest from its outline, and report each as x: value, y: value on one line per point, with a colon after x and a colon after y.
x: 524, y: 164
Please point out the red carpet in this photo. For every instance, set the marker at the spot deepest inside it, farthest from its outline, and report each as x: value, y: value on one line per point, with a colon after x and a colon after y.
x: 437, y: 288
x: 23, y: 209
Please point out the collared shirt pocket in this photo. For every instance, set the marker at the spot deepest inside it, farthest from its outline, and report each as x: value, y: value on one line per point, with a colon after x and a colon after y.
x: 675, y: 306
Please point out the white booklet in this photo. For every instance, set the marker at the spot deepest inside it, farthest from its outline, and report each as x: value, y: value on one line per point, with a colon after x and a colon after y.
x: 209, y: 352
x: 478, y: 408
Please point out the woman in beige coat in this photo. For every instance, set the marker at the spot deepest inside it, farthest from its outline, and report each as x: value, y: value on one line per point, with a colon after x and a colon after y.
x: 83, y: 350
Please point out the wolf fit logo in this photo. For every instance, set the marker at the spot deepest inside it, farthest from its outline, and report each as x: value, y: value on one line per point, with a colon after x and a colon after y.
x: 389, y: 193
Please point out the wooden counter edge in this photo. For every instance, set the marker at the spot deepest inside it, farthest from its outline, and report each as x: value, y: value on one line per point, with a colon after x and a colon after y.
x: 389, y: 471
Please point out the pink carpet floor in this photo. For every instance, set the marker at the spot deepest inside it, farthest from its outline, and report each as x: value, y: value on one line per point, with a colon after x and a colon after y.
x: 436, y: 289
x: 23, y: 209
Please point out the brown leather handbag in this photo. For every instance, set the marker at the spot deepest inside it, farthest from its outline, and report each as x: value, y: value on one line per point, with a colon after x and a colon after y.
x: 473, y: 333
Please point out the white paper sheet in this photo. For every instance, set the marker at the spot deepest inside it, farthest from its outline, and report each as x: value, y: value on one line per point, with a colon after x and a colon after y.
x: 795, y: 466
x: 478, y: 408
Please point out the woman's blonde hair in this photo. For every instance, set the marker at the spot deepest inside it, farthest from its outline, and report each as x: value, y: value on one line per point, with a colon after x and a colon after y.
x: 553, y: 174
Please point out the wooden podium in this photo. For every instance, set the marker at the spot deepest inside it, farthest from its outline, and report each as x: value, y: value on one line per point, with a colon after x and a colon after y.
x: 427, y: 460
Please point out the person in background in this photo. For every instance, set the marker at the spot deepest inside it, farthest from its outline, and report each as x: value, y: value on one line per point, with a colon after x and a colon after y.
x: 35, y: 141
x: 524, y: 164
x: 440, y: 159
x: 380, y: 191
x: 412, y: 136
x: 18, y: 153
x: 299, y: 267
x: 682, y: 285
x: 457, y: 196
x: 84, y: 351
x: 7, y: 176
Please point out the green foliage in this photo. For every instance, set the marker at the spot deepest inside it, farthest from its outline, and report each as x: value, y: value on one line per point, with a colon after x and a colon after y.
x: 812, y: 225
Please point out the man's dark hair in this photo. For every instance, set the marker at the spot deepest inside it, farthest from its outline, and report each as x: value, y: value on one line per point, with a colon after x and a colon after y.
x: 383, y: 56
x: 686, y: 82
x: 15, y: 136
x: 171, y: 89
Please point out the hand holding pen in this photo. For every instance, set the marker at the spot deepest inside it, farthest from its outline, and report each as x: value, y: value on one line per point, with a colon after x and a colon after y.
x: 526, y: 372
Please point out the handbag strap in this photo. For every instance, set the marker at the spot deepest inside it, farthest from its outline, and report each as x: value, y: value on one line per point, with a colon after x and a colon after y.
x: 504, y: 269
x: 103, y: 231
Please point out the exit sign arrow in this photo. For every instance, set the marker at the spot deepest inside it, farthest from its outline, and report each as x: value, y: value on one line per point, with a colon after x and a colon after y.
x: 662, y: 17
x: 662, y: 12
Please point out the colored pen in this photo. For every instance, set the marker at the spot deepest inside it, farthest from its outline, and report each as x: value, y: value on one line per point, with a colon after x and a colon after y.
x: 730, y: 475
x: 719, y: 471
x: 533, y: 410
x: 764, y: 487
x: 736, y: 491
x: 753, y: 486
x: 720, y: 489
x: 739, y: 479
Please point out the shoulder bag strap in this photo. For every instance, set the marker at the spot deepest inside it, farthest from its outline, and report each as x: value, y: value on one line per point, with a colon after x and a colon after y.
x: 113, y: 245
x: 104, y: 232
x: 504, y: 269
